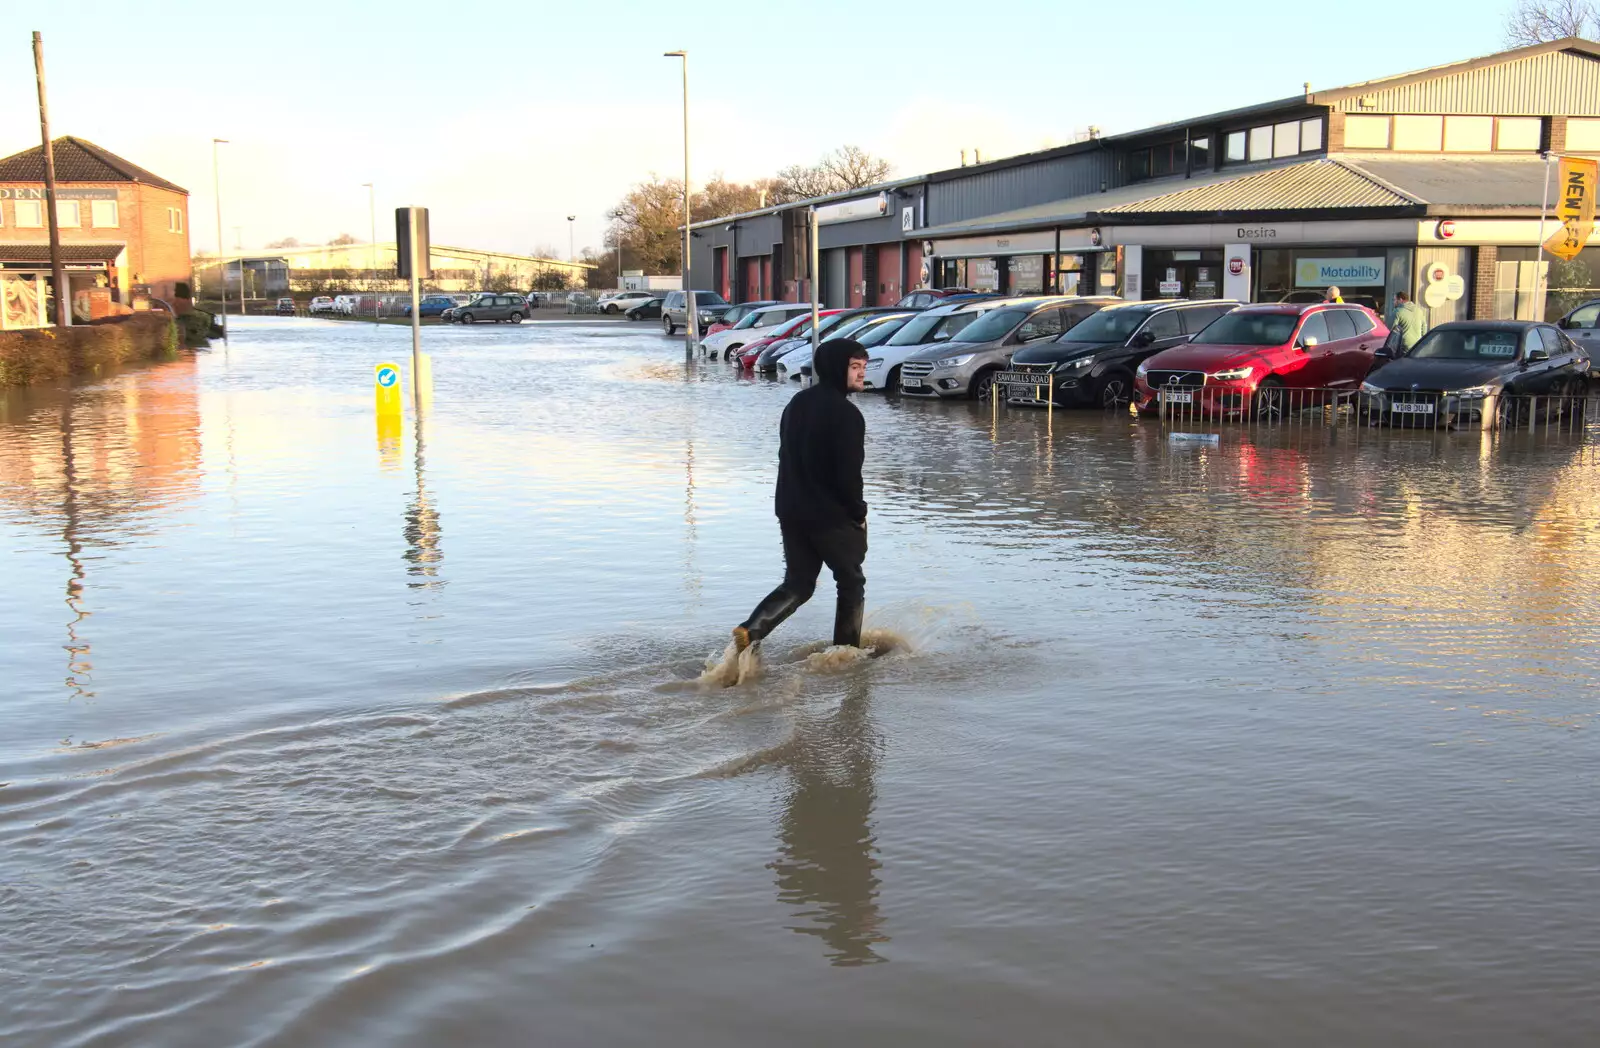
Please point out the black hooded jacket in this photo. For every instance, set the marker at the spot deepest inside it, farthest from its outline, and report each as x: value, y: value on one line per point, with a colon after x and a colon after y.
x: 822, y: 445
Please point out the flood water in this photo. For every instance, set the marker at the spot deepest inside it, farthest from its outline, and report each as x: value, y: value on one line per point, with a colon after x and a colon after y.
x: 316, y: 736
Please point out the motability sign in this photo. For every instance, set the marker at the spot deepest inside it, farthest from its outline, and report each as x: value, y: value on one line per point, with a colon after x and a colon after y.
x: 1574, y: 207
x: 1326, y: 272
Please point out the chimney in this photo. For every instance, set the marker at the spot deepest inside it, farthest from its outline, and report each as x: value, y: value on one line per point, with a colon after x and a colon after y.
x: 963, y: 158
x: 975, y: 158
x: 763, y: 199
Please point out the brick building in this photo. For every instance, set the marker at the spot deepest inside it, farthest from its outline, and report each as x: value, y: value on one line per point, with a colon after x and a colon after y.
x: 122, y: 228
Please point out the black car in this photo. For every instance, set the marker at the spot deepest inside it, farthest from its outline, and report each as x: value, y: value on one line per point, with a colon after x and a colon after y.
x: 1092, y: 363
x: 1477, y: 371
x: 649, y: 309
x: 675, y: 311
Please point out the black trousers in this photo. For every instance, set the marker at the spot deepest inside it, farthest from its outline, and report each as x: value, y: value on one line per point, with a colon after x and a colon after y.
x: 805, y: 550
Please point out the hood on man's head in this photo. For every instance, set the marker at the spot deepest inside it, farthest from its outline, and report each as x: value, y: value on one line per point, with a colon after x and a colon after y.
x: 832, y: 362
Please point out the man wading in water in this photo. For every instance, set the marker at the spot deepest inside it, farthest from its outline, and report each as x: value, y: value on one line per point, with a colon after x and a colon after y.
x: 822, y: 443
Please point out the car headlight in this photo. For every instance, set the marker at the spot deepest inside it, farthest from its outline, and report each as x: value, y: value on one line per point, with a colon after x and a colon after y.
x: 1476, y: 391
x: 875, y: 362
x: 1072, y: 365
x: 955, y: 362
x: 1232, y: 374
x: 1368, y: 387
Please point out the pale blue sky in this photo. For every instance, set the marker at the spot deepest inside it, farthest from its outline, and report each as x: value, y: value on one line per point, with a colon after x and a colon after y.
x: 528, y: 113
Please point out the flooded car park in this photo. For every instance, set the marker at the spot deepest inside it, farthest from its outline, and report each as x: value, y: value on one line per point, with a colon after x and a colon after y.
x: 347, y: 737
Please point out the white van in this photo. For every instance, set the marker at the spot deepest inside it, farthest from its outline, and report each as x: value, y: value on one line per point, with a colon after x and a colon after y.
x: 345, y: 305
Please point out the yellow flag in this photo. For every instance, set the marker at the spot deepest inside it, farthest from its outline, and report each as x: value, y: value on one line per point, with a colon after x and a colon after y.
x: 1574, y: 207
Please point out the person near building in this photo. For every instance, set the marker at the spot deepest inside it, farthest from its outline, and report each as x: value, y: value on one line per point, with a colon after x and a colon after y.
x: 821, y: 514
x: 1333, y: 294
x: 1408, y: 321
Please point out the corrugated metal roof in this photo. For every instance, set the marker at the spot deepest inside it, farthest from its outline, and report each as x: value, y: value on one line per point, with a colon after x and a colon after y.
x: 1460, y: 183
x: 1298, y: 187
x: 1555, y: 82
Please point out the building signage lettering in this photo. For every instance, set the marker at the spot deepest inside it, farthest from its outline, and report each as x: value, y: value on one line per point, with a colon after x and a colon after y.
x: 854, y: 210
x: 37, y: 193
x: 1256, y: 233
x: 1326, y: 272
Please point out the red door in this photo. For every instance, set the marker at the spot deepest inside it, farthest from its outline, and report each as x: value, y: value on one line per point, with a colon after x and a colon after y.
x: 853, y: 260
x: 752, y: 287
x: 766, y: 276
x: 888, y: 289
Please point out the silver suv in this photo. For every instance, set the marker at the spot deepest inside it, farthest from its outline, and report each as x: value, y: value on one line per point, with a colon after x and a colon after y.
x: 487, y: 306
x: 967, y: 364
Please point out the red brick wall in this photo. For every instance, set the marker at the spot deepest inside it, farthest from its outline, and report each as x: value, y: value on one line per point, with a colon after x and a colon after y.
x: 154, y: 256
x: 1483, y: 282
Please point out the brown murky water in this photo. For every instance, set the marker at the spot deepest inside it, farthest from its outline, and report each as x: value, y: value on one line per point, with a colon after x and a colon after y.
x: 317, y: 736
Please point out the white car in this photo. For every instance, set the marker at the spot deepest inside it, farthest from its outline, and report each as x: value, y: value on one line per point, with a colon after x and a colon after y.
x: 757, y: 324
x: 622, y: 301
x: 869, y: 330
x: 322, y: 304
x: 938, y: 324
x: 346, y: 304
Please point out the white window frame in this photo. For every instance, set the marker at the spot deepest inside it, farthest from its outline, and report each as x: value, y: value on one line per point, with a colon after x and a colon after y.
x: 1468, y: 134
x: 72, y: 207
x: 1521, y: 124
x: 37, y: 207
x: 1261, y: 136
x: 1286, y: 139
x: 1311, y: 143
x: 1417, y: 133
x: 95, y: 208
x: 1587, y: 139
x: 1364, y: 125
x: 174, y: 220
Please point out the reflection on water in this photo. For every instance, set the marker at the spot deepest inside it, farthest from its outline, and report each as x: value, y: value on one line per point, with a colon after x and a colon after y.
x: 828, y: 863
x: 1276, y: 740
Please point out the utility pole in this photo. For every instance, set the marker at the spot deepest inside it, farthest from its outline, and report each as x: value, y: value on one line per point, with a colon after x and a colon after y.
x: 372, y: 249
x: 58, y: 273
x: 222, y: 250
x: 572, y: 244
x: 693, y: 319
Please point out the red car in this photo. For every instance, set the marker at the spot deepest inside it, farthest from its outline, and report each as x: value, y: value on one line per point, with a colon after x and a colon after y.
x: 736, y: 314
x: 749, y: 353
x: 1261, y: 356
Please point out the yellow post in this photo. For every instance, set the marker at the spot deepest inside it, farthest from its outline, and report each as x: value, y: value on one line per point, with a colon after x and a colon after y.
x: 386, y: 389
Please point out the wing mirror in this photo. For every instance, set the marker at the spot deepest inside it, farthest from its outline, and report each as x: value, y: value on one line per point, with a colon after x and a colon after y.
x: 1537, y: 355
x: 1144, y: 338
x: 1309, y: 342
x: 1383, y: 353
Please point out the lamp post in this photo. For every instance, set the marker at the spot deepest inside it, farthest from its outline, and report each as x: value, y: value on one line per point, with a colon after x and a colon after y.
x: 372, y: 244
x: 616, y: 216
x: 572, y: 247
x: 688, y: 284
x: 222, y: 265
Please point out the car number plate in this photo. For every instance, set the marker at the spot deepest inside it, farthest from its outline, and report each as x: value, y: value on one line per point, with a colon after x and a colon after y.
x: 1404, y: 407
x: 1172, y: 396
x: 911, y: 383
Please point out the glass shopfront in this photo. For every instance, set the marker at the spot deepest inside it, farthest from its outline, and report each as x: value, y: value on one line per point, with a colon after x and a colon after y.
x: 1367, y: 276
x: 1567, y: 284
x: 1094, y: 272
x: 1194, y: 273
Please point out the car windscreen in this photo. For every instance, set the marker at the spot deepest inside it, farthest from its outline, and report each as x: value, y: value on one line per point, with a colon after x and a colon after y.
x: 1488, y: 344
x: 1108, y: 325
x: 1245, y: 329
x: 918, y: 330
x: 882, y: 331
x: 708, y: 298
x: 996, y: 323
x: 756, y: 318
x: 852, y: 325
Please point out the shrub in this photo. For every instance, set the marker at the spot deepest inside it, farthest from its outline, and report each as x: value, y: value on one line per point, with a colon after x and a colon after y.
x: 196, y: 328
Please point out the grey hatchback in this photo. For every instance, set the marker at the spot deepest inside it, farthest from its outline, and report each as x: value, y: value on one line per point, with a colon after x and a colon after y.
x: 490, y: 306
x: 967, y: 364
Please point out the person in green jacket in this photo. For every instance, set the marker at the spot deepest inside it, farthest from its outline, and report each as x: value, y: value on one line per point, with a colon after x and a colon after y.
x: 1408, y: 321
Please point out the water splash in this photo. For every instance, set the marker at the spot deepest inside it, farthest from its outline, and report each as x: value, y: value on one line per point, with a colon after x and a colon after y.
x: 735, y: 667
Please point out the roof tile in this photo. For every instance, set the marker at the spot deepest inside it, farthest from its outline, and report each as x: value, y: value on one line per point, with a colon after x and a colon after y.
x: 78, y: 160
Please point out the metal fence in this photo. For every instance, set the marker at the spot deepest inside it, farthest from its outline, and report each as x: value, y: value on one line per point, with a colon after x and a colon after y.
x: 1571, y: 407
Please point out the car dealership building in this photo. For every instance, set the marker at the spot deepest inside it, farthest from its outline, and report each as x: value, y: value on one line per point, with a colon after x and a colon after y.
x: 1429, y: 182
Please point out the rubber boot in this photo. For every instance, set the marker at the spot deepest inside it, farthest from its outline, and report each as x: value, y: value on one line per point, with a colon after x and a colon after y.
x: 847, y: 621
x: 770, y: 613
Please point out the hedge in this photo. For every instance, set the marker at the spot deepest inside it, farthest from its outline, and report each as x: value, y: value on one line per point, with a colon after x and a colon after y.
x: 44, y: 354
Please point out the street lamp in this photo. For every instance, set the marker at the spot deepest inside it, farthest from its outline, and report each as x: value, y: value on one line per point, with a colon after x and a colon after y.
x: 688, y: 284
x: 572, y: 250
x: 372, y: 249
x: 616, y: 216
x: 222, y: 266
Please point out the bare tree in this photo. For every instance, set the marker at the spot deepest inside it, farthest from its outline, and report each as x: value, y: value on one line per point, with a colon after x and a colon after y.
x: 285, y: 242
x: 342, y: 239
x: 1536, y: 21
x: 846, y: 168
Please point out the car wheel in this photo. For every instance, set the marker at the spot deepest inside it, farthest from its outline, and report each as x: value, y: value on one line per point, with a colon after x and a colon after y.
x: 515, y: 318
x: 1271, y: 402
x: 892, y: 383
x: 667, y: 326
x: 1512, y: 410
x: 982, y: 387
x: 1116, y: 389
